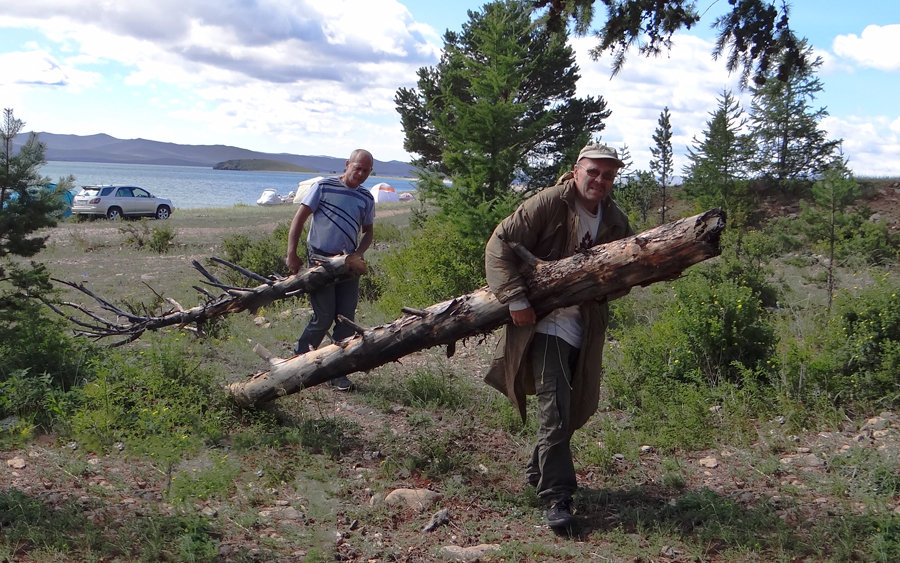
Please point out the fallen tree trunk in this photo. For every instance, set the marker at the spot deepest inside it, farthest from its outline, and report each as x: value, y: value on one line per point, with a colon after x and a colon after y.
x: 131, y: 324
x: 662, y: 253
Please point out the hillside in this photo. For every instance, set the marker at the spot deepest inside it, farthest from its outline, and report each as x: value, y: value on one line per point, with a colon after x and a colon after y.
x: 104, y: 148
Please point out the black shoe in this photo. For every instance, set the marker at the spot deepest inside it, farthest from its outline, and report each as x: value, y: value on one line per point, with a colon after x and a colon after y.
x: 559, y: 515
x: 341, y: 383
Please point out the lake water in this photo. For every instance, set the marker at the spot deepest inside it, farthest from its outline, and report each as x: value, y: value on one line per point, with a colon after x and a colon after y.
x: 193, y: 186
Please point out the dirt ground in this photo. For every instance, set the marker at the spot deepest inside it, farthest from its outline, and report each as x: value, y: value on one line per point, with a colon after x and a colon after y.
x: 118, y: 486
x: 881, y: 197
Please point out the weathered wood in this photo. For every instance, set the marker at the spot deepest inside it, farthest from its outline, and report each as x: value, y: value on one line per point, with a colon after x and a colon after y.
x: 662, y: 253
x: 131, y: 324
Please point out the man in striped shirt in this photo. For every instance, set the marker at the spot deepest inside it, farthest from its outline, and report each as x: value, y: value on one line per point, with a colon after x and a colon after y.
x: 341, y: 208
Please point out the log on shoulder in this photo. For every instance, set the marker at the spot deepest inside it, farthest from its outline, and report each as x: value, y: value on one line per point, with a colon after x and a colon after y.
x: 662, y: 253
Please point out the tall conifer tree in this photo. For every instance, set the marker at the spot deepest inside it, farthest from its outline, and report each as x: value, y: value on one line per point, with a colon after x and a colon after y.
x: 716, y: 175
x: 498, y: 110
x: 662, y: 161
x: 25, y: 207
x: 790, y: 146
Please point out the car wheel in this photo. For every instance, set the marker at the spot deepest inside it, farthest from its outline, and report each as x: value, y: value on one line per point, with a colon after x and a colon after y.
x: 163, y: 212
x: 114, y: 214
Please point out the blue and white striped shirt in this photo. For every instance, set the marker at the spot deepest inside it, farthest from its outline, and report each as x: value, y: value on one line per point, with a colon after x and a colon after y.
x: 339, y: 212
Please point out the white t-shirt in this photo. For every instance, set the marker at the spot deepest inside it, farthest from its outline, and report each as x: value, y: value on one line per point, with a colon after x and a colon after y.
x: 565, y: 322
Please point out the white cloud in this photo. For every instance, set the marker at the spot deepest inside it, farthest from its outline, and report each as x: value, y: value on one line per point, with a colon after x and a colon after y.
x: 30, y: 67
x: 689, y: 82
x: 39, y: 68
x: 309, y: 77
x: 830, y: 63
x: 872, y: 144
x: 686, y: 79
x: 281, y: 71
x: 878, y: 47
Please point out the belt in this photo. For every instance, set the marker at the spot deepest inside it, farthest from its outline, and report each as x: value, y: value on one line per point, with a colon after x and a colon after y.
x: 313, y: 250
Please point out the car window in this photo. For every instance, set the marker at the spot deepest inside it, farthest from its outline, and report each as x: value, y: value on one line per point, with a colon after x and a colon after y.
x: 140, y: 192
x: 107, y: 190
x: 124, y: 192
x: 89, y: 191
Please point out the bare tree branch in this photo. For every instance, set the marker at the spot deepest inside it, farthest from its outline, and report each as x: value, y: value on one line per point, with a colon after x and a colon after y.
x: 234, y: 299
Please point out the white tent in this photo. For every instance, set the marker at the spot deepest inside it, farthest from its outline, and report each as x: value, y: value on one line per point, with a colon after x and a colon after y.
x: 383, y: 192
x: 303, y: 187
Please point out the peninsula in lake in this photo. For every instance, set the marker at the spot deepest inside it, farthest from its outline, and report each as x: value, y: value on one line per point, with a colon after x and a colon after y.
x: 262, y: 164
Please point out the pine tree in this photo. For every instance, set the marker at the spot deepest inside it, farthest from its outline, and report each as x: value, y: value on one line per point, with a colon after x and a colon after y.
x: 755, y: 34
x: 25, y: 206
x: 662, y: 161
x: 499, y: 109
x: 716, y: 175
x: 832, y: 194
x: 625, y: 173
x: 635, y: 194
x: 32, y: 344
x: 790, y: 146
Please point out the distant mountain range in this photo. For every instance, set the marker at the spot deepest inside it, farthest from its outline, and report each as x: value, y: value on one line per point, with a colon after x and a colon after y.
x: 103, y: 148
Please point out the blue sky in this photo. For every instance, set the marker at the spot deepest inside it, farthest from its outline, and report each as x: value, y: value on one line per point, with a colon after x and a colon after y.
x: 307, y: 77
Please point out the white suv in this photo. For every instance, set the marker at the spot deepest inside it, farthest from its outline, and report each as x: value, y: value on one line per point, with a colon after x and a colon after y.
x: 116, y: 202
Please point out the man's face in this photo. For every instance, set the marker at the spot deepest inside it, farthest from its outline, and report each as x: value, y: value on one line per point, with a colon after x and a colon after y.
x: 358, y: 169
x: 594, y: 179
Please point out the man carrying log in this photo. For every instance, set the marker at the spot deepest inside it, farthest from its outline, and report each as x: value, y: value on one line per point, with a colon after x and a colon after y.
x: 557, y: 357
x: 340, y: 208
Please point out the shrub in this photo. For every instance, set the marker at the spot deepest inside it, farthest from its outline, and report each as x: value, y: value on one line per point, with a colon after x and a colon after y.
x: 264, y: 256
x: 387, y: 233
x: 860, y: 355
x: 709, y: 331
x: 35, y: 401
x: 675, y: 415
x: 161, y: 237
x: 426, y: 389
x: 500, y: 413
x: 745, y: 261
x: 41, y: 362
x: 141, y: 234
x: 870, y: 241
x: 436, y: 263
x: 855, y: 235
x: 160, y: 401
x: 369, y: 288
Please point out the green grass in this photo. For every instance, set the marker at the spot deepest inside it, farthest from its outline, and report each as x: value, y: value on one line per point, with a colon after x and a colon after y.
x: 197, y: 477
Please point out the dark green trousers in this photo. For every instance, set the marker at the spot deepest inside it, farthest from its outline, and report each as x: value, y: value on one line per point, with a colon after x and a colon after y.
x: 551, y: 469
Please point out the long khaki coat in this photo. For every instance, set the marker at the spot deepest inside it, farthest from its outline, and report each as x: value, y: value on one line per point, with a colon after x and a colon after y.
x: 546, y: 224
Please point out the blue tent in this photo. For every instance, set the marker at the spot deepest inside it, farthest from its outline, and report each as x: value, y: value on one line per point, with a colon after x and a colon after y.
x: 67, y: 196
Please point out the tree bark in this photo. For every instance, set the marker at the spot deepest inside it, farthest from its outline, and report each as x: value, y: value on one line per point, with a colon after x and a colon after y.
x: 662, y: 253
